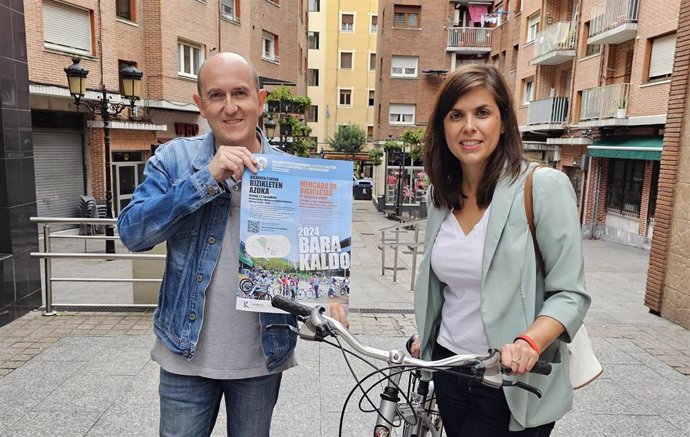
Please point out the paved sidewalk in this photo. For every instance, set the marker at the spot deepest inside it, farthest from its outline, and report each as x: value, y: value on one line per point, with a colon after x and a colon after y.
x: 89, y: 374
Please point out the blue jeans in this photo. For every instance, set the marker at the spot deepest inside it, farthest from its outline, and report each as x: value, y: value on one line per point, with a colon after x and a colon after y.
x: 189, y: 405
x: 471, y: 409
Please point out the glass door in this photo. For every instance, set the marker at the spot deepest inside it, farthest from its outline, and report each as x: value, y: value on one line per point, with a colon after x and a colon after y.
x: 127, y: 176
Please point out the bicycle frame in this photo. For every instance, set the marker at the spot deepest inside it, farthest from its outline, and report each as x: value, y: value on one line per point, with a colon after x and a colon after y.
x: 486, y: 369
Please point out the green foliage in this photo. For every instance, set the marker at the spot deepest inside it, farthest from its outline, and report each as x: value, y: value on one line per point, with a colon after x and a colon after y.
x: 289, y: 102
x: 376, y: 155
x: 281, y: 103
x: 349, y: 138
x: 413, y: 137
x: 392, y: 145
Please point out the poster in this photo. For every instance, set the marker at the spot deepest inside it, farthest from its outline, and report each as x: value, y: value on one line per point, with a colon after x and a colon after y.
x: 295, y: 232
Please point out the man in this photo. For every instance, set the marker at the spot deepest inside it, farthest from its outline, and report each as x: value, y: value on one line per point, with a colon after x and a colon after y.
x: 205, y: 347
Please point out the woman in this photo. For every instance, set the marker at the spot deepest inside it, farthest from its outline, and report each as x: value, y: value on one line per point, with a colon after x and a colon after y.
x: 479, y: 285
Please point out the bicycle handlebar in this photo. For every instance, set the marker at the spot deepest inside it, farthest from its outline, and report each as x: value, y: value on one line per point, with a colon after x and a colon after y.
x: 318, y: 326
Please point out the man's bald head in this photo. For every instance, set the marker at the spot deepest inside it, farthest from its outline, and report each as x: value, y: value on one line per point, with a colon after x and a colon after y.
x: 226, y: 57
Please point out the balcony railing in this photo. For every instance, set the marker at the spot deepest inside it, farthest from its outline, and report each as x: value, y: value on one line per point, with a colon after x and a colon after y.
x: 555, y: 45
x: 553, y: 110
x: 604, y: 102
x: 618, y: 18
x: 467, y: 38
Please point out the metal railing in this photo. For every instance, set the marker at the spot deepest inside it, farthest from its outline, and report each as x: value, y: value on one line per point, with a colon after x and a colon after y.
x: 559, y: 36
x: 548, y: 111
x: 395, y: 243
x: 608, y: 14
x: 604, y: 102
x: 460, y: 37
x: 48, y: 256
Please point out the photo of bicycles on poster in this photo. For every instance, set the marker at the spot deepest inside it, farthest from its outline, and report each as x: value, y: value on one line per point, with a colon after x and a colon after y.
x: 295, y: 232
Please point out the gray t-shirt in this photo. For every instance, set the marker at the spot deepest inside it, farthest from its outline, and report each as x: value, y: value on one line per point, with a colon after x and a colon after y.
x: 229, y: 342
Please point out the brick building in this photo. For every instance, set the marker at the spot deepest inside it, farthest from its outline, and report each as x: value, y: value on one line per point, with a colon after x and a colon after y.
x: 168, y: 46
x: 418, y: 43
x: 668, y: 288
x: 592, y: 82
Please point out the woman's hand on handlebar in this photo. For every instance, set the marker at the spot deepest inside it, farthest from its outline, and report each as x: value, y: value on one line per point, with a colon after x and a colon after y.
x: 519, y: 357
x: 414, y: 346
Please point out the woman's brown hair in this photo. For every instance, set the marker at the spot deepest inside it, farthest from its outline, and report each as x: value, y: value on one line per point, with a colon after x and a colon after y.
x: 442, y: 167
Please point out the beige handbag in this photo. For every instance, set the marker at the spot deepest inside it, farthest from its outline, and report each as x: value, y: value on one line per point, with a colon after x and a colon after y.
x: 584, y: 366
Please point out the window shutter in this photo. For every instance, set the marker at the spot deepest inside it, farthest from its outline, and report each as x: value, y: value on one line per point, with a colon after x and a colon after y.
x: 66, y: 27
x: 661, y: 61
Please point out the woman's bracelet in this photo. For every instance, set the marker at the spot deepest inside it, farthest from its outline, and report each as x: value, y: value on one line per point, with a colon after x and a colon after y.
x: 529, y: 340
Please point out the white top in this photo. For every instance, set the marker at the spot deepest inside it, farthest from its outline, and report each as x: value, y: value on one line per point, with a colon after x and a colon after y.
x: 457, y: 261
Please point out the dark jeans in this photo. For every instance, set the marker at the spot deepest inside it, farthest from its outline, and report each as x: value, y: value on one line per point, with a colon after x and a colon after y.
x: 469, y: 409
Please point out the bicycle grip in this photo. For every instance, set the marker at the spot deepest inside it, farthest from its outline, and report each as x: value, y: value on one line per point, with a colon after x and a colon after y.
x: 294, y: 308
x: 541, y: 367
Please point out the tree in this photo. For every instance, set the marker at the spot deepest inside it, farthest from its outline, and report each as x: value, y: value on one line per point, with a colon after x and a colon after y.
x: 349, y: 138
x: 413, y: 138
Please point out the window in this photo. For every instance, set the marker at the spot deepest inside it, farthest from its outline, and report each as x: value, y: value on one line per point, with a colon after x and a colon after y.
x: 532, y: 27
x: 269, y: 47
x: 590, y: 49
x: 191, y: 57
x: 346, y: 60
x: 313, y: 77
x: 371, y: 97
x: 313, y: 114
x: 125, y: 9
x: 372, y: 61
x: 514, y: 58
x: 370, y: 133
x: 230, y: 9
x: 313, y: 40
x: 407, y: 16
x: 66, y: 28
x: 314, y: 5
x: 345, y: 98
x: 347, y: 23
x: 404, y: 66
x: 401, y: 114
x: 528, y: 91
x: 661, y: 59
x: 374, y: 24
x: 624, y: 192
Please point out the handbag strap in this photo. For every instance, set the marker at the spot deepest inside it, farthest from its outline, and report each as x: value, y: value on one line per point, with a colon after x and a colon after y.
x: 529, y: 212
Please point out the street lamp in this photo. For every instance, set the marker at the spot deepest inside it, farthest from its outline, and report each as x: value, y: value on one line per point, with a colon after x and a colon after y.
x: 130, y: 88
x: 283, y: 110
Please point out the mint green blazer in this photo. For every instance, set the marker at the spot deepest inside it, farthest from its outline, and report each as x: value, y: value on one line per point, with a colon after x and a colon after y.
x: 513, y: 292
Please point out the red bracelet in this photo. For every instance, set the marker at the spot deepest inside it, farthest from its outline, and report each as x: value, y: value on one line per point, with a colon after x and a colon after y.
x: 529, y: 340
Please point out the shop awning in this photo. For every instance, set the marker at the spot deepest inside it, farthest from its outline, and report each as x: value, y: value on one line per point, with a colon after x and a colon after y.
x: 645, y: 148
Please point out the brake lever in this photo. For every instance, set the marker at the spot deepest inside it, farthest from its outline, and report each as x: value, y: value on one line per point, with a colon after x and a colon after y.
x: 282, y: 326
x: 522, y: 385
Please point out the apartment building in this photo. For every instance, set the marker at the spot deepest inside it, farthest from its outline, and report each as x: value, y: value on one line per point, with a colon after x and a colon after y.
x: 418, y: 44
x: 168, y: 41
x: 342, y: 65
x: 592, y: 82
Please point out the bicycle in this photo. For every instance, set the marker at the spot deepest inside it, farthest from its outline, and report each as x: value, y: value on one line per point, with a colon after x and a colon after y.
x: 416, y: 412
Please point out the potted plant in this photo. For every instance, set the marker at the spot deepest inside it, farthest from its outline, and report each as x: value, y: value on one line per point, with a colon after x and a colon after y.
x: 621, y: 111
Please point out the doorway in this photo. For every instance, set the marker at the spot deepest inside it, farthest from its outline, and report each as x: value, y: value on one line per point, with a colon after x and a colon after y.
x: 128, y: 171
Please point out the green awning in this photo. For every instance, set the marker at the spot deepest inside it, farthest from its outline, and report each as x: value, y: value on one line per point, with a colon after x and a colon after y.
x: 645, y: 148
x: 244, y: 259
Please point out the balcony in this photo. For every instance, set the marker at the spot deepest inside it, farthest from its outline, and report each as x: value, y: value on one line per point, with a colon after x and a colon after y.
x: 605, y: 106
x: 548, y: 114
x: 555, y: 45
x: 469, y: 40
x: 613, y: 22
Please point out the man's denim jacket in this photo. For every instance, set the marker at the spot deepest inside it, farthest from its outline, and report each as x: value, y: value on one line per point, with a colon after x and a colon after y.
x: 180, y: 202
